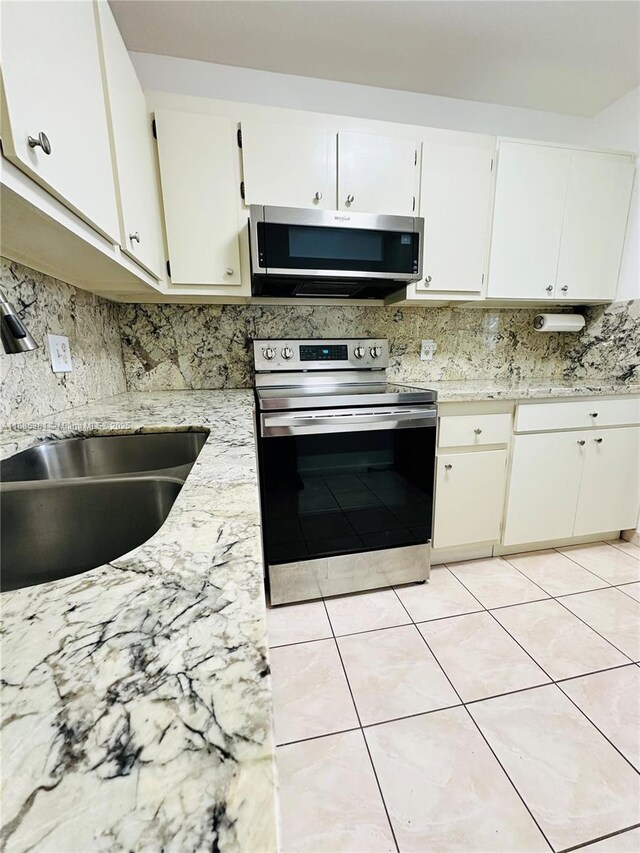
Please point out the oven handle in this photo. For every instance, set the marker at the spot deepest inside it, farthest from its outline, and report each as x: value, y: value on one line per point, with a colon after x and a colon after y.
x: 273, y: 425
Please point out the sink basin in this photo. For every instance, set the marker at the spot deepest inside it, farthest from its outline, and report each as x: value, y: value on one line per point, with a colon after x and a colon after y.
x: 101, y: 456
x: 54, y: 529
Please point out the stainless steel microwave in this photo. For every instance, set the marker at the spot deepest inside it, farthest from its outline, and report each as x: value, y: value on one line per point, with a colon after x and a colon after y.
x: 332, y: 253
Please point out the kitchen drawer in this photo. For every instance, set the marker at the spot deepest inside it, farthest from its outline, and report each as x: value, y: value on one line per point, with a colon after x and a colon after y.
x: 474, y: 430
x: 577, y: 414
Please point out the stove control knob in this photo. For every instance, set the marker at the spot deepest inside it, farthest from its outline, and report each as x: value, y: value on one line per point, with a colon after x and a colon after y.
x: 268, y: 353
x: 376, y: 352
x: 287, y: 353
x: 359, y: 352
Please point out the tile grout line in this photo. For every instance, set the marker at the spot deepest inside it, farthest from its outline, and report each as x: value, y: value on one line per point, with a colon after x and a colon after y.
x: 600, y: 542
x: 613, y: 645
x: 600, y: 838
x: 453, y: 687
x: 366, y: 745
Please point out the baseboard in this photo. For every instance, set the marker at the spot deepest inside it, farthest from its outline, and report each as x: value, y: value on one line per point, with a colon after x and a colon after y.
x: 457, y: 555
x: 499, y: 550
x: 632, y: 536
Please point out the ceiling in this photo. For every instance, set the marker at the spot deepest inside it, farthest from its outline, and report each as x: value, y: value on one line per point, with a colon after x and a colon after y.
x: 572, y: 56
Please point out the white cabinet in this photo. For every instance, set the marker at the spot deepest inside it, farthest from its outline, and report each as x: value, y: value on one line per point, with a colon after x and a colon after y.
x: 594, y: 225
x: 289, y: 166
x: 377, y: 174
x: 531, y: 186
x: 610, y: 486
x: 469, y: 497
x: 543, y: 487
x: 200, y: 190
x: 52, y: 82
x: 566, y: 484
x: 455, y: 201
x: 559, y: 223
x: 134, y: 154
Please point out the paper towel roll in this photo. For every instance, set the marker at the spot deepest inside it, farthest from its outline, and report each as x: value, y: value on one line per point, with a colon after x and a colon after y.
x: 558, y: 322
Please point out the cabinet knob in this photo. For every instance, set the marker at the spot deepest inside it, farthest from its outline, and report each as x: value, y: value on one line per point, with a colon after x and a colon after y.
x: 550, y: 288
x: 135, y: 236
x: 448, y: 467
x: 581, y: 441
x: 41, y: 142
x: 427, y: 279
x: 564, y: 288
x: 593, y: 414
x: 477, y: 431
x: 318, y: 196
x: 350, y: 199
x: 228, y: 271
x: 598, y: 440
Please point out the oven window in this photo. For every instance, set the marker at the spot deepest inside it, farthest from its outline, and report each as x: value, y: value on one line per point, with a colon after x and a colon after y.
x: 307, y: 247
x: 343, y: 493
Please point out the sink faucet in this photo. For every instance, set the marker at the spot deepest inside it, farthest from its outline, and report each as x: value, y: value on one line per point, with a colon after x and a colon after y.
x: 15, y: 335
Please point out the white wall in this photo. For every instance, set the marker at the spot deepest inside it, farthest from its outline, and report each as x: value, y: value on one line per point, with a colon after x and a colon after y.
x: 616, y: 127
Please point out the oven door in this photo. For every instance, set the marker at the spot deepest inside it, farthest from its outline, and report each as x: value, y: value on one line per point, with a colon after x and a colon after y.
x: 346, y: 481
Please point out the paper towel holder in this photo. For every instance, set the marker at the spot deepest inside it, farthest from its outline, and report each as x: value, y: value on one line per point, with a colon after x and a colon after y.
x: 559, y: 322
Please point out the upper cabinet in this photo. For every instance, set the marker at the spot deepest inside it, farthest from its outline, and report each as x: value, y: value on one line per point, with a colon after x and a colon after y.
x: 377, y: 174
x: 559, y: 223
x: 201, y: 192
x: 134, y: 154
x: 288, y: 166
x: 53, y: 107
x: 455, y: 201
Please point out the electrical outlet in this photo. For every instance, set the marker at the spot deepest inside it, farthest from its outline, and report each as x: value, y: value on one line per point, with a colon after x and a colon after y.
x: 427, y: 350
x: 60, y: 354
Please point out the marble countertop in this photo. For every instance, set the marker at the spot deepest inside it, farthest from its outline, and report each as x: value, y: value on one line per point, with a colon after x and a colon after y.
x: 136, y: 696
x: 450, y: 391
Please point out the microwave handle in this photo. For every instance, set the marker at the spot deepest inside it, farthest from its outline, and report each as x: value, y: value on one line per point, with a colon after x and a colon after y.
x: 279, y: 425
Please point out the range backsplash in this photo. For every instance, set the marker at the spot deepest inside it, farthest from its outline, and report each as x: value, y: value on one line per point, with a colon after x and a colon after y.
x: 30, y: 390
x: 209, y: 346
x: 165, y: 347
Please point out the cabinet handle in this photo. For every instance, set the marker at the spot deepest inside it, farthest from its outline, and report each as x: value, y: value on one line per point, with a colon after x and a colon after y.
x: 135, y: 236
x: 477, y: 431
x: 427, y: 279
x: 41, y: 142
x: 593, y: 414
x: 350, y: 199
x: 581, y: 441
x: 598, y: 440
x: 549, y: 289
x: 448, y: 467
x: 564, y: 288
x: 318, y: 196
x: 229, y: 271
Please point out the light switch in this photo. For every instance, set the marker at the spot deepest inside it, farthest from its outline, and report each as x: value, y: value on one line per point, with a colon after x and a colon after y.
x: 60, y: 354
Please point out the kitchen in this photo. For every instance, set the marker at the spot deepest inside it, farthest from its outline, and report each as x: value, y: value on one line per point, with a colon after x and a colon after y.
x: 320, y: 426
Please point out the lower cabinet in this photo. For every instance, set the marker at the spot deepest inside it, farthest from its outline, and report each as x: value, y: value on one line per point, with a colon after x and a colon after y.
x: 566, y: 484
x: 469, y: 497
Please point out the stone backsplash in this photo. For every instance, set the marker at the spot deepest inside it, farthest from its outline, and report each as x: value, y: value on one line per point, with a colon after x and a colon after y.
x: 30, y: 390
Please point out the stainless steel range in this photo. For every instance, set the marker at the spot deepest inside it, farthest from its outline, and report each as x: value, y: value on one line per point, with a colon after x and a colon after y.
x: 346, y: 469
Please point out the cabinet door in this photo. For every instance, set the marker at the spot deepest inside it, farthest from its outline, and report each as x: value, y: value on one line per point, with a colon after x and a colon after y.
x: 455, y: 201
x: 469, y: 497
x: 379, y: 174
x: 543, y: 487
x: 289, y: 166
x: 531, y: 186
x: 594, y: 225
x: 52, y: 83
x: 200, y: 191
x: 610, y: 488
x: 140, y: 223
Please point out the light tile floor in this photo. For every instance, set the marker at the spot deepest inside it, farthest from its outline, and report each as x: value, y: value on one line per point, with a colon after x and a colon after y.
x: 496, y: 708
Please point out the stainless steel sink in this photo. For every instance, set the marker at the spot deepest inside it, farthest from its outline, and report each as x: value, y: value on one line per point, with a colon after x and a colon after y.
x: 169, y: 452
x: 71, y: 505
x: 54, y: 529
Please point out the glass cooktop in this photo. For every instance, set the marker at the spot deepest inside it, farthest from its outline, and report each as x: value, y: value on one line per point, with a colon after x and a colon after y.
x: 347, y: 394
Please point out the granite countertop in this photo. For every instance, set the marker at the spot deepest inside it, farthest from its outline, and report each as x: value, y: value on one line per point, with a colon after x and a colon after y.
x: 450, y: 391
x: 136, y: 696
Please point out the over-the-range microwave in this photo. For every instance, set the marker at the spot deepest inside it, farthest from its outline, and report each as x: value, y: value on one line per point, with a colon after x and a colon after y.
x: 332, y: 253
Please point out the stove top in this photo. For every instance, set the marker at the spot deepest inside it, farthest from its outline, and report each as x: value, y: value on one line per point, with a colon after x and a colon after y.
x: 347, y: 394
